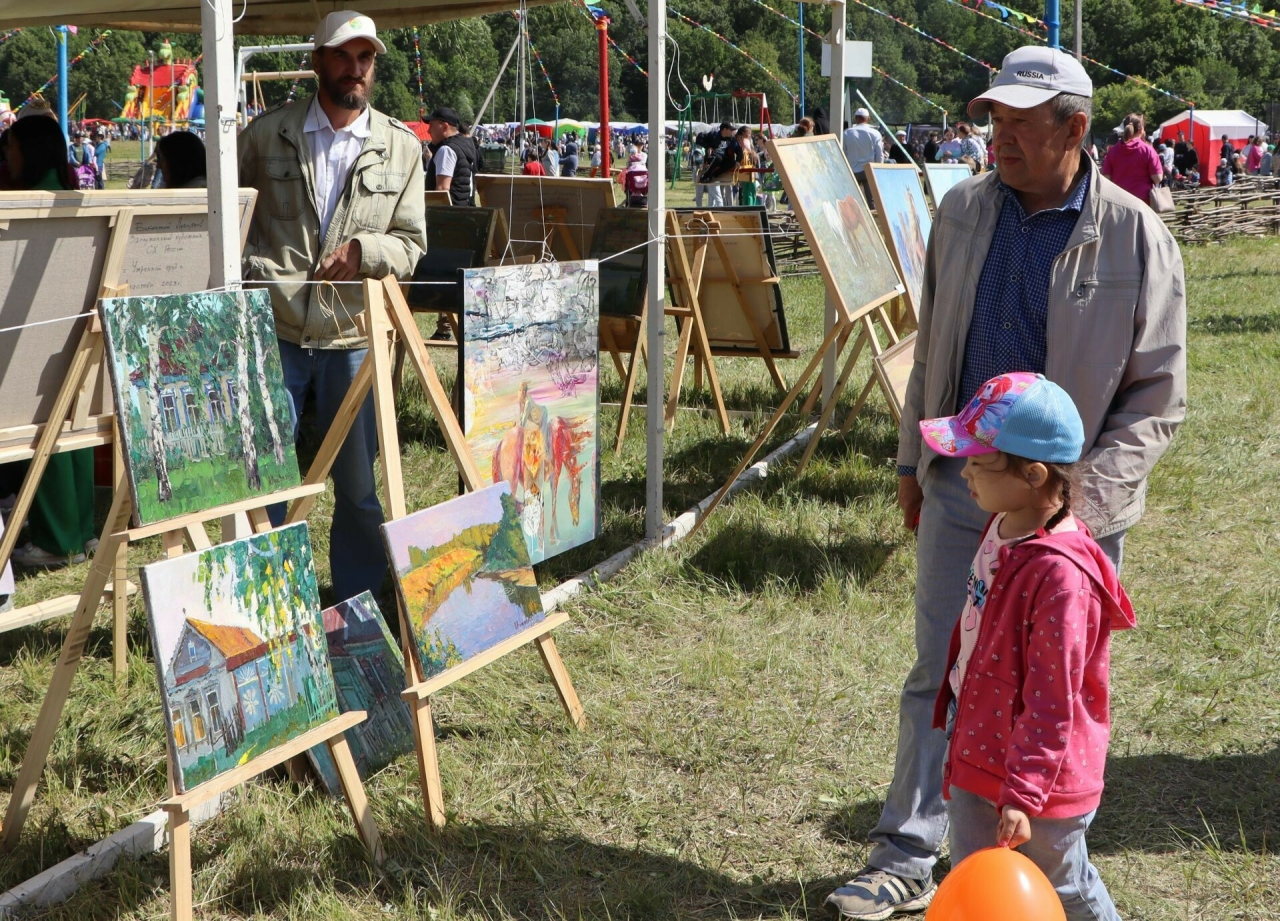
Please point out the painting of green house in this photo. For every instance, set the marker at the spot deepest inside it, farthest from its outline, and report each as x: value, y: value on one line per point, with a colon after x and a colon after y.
x: 240, y: 650
x: 199, y: 392
x: 368, y: 673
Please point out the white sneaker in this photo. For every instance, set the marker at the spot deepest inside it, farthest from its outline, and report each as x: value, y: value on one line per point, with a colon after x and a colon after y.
x: 32, y: 557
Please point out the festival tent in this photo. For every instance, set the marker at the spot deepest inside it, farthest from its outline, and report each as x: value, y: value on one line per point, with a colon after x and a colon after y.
x: 1209, y: 127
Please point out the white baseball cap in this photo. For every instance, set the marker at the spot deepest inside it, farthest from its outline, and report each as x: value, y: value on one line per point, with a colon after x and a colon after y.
x: 861, y: 113
x: 342, y: 26
x: 1032, y: 75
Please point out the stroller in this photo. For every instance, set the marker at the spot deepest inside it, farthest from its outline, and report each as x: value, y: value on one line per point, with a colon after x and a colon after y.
x: 86, y: 175
x: 636, y: 186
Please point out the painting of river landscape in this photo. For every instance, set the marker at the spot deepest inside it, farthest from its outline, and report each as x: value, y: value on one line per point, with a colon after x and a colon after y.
x: 464, y: 578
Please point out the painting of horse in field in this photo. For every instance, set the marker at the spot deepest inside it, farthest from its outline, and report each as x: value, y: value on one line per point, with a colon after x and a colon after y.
x: 530, y: 396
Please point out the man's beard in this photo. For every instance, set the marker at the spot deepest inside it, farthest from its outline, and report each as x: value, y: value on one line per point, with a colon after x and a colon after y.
x: 355, y: 100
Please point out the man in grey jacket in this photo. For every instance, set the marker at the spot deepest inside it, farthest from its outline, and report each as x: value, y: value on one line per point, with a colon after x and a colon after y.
x: 1043, y: 266
x: 340, y: 198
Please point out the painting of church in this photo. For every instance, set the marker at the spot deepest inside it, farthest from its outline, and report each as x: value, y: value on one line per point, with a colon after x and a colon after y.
x: 224, y: 683
x: 368, y: 674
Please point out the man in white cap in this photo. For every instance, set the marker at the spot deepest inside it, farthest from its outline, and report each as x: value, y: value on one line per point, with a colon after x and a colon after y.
x: 340, y: 198
x: 862, y: 145
x: 1044, y: 266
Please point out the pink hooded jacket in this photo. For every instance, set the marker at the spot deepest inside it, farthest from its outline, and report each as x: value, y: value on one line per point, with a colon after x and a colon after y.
x: 1033, y: 718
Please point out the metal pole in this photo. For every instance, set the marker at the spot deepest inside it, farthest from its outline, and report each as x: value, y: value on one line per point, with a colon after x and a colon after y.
x: 1052, y: 16
x: 220, y: 142
x: 602, y: 31
x: 521, y: 37
x: 800, y: 32
x: 884, y: 127
x: 657, y: 270
x: 493, y: 89
x: 837, y: 111
x: 61, y: 35
x: 1079, y: 30
x: 151, y: 104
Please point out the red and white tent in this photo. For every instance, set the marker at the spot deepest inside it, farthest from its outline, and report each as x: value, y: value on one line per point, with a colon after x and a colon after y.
x: 1207, y: 131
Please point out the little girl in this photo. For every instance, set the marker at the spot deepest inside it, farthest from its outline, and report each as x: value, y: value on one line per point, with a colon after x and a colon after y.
x: 1026, y: 703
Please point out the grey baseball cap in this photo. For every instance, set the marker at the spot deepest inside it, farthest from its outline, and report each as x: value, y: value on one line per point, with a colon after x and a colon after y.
x: 1032, y: 75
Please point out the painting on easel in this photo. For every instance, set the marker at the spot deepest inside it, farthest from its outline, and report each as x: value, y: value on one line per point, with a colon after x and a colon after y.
x: 904, y: 219
x: 200, y: 393
x: 464, y: 578
x: 531, y: 397
x: 830, y: 207
x: 368, y: 673
x: 240, y: 650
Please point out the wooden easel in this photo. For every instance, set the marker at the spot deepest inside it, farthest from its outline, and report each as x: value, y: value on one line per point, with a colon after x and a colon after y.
x: 837, y: 337
x: 387, y: 321
x: 127, y: 224
x: 188, y: 530
x: 555, y: 220
x: 180, y: 805
x: 684, y: 275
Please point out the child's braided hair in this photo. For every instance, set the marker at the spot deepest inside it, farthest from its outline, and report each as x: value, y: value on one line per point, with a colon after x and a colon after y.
x: 1066, y: 476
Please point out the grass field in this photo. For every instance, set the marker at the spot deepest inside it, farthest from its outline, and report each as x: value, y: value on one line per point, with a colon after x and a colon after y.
x: 741, y: 690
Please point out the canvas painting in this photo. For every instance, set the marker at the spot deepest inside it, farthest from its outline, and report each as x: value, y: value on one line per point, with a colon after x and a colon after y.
x: 830, y: 207
x: 199, y: 392
x: 240, y: 649
x: 368, y: 675
x: 464, y: 577
x: 530, y: 394
x: 893, y: 369
x: 943, y: 177
x: 904, y: 216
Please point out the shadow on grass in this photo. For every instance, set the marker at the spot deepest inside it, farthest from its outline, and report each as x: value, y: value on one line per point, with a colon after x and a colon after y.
x: 750, y: 557
x: 528, y: 871
x: 1159, y: 804
x: 1228, y: 324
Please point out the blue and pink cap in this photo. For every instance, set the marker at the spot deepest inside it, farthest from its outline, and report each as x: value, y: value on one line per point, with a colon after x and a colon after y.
x: 1021, y: 414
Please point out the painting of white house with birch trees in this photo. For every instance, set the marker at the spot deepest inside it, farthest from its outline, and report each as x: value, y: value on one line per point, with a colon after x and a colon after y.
x: 199, y: 392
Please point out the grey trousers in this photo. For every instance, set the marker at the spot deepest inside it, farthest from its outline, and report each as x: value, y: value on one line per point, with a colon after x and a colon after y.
x: 913, y: 824
x: 1057, y: 847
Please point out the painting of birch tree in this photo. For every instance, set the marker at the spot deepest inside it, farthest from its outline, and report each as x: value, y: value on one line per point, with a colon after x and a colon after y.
x: 199, y: 392
x: 240, y: 650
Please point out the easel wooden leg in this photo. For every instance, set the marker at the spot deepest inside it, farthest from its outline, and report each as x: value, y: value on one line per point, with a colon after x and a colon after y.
x: 611, y: 346
x: 37, y: 754
x: 829, y: 410
x: 697, y: 371
x: 120, y: 615
x: 357, y: 802
x: 792, y: 395
x: 677, y: 371
x: 180, y: 888
x: 428, y: 762
x: 560, y: 676
x: 812, y: 400
x: 629, y: 386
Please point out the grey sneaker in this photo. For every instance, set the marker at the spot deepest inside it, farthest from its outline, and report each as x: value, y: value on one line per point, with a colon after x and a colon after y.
x: 32, y: 557
x: 876, y: 894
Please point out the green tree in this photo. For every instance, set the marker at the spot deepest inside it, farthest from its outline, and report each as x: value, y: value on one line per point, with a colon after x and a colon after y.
x: 1113, y: 102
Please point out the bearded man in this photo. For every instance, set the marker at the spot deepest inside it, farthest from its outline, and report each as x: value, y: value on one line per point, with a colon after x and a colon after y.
x: 340, y: 198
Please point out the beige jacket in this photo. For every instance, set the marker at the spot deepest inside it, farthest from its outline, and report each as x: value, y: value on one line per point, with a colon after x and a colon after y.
x: 1117, y: 333
x: 382, y: 206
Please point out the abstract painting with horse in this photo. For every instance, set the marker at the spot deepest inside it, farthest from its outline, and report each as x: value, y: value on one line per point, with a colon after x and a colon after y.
x: 530, y: 397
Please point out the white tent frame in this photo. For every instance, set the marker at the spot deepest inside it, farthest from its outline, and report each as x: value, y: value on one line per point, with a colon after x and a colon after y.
x: 216, y: 21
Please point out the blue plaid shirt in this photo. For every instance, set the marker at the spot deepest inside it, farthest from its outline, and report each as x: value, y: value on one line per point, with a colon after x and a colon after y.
x: 1011, y: 310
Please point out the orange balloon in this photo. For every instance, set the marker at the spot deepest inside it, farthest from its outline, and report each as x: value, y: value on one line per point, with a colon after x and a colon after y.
x: 996, y: 884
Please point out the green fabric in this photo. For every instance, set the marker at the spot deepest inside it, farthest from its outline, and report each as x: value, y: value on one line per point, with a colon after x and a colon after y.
x: 61, y: 518
x: 747, y: 193
x: 49, y: 183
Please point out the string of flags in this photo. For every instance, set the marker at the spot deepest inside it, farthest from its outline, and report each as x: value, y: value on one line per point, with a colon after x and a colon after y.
x: 1119, y: 73
x: 933, y: 38
x: 417, y: 60
x: 591, y: 12
x: 878, y: 70
x: 1006, y: 12
x: 543, y: 67
x: 1240, y: 11
x: 70, y: 64
x: 693, y: 22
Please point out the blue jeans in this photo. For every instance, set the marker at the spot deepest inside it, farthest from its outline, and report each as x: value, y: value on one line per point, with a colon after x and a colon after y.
x: 357, y: 559
x: 1057, y: 847
x: 913, y: 824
